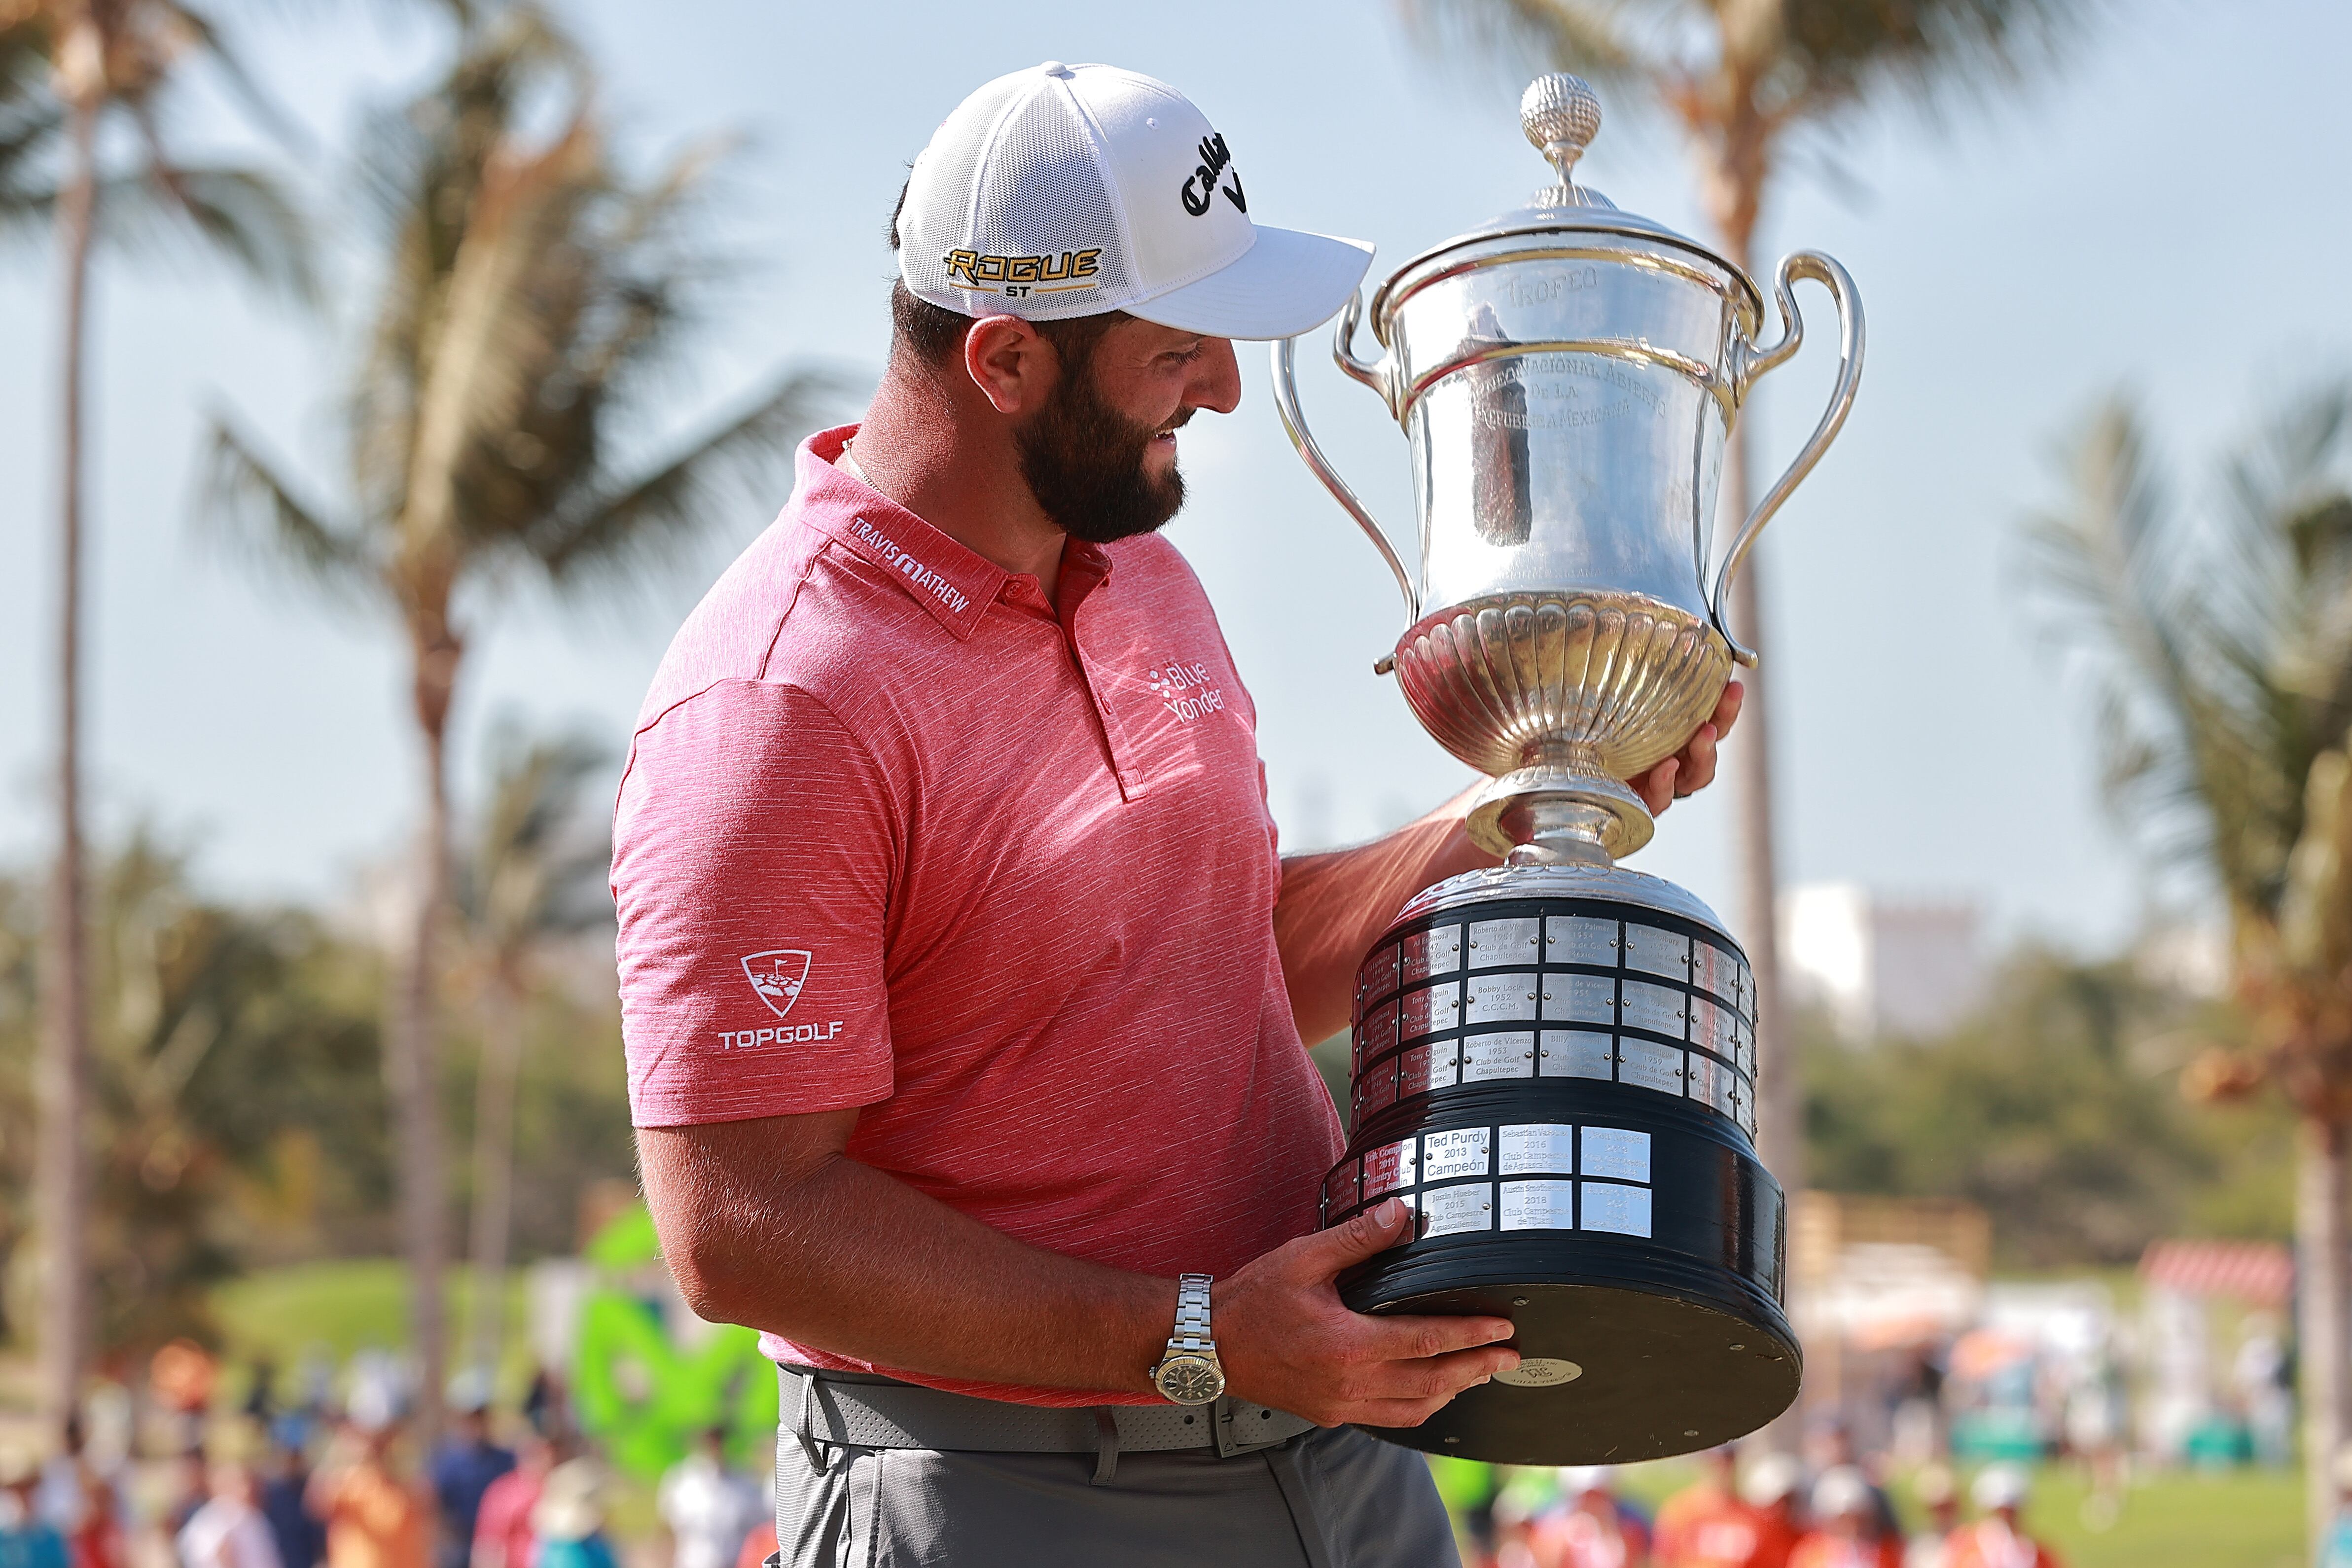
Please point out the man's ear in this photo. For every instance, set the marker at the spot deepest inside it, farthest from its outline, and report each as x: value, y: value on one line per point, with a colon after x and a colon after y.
x: 1015, y: 368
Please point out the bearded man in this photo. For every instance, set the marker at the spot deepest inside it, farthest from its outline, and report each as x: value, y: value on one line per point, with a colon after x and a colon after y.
x: 963, y: 986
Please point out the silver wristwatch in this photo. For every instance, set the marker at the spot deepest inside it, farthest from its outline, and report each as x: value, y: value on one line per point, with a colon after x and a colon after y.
x: 1190, y: 1372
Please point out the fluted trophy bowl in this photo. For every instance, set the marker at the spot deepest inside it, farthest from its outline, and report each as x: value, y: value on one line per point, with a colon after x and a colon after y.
x: 1568, y: 376
x: 1558, y: 697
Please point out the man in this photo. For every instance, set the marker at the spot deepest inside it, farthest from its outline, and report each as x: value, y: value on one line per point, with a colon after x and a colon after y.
x: 1998, y: 1541
x: 1938, y: 1493
x: 1846, y: 1532
x: 26, y: 1540
x: 707, y: 1506
x: 1694, y: 1511
x: 374, y: 1517
x: 502, y: 1534
x: 229, y: 1530
x: 964, y: 988
x: 464, y: 1465
x: 300, y: 1539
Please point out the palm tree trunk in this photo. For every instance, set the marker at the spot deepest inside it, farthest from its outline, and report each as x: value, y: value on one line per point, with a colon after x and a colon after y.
x: 1779, y: 1088
x: 494, y: 1113
x: 2324, y: 1266
x: 412, y: 1062
x: 63, y: 1203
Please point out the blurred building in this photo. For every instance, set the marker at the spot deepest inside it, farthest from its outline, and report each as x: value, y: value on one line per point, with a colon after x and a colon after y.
x: 1881, y: 966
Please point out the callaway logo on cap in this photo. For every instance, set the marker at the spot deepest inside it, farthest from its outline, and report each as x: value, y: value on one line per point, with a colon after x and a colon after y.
x: 1068, y: 191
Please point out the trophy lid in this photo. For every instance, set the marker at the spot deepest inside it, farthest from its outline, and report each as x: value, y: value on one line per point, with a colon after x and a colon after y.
x: 1560, y: 115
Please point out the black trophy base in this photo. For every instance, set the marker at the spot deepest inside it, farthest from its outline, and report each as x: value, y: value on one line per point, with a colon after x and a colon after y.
x: 1608, y: 1375
x: 1555, y: 1068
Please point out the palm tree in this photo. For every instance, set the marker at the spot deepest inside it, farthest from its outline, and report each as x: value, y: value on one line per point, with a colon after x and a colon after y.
x: 68, y: 69
x: 1748, y: 81
x: 536, y: 873
x: 2216, y: 645
x: 531, y: 290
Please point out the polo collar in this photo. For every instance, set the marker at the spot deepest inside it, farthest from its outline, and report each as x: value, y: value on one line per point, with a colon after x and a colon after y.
x: 955, y: 583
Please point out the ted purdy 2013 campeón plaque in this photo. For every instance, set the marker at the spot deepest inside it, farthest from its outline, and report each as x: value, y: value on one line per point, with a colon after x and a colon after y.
x: 1555, y: 1061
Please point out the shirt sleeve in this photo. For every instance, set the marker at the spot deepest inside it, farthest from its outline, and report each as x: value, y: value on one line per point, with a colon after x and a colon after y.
x: 754, y: 844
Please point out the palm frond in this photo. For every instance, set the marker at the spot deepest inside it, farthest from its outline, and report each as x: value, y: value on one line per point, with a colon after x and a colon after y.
x: 1935, y: 54
x: 537, y: 865
x: 247, y: 506
x: 613, y: 533
x: 243, y: 85
x: 31, y: 120
x: 1594, y: 38
x: 242, y: 215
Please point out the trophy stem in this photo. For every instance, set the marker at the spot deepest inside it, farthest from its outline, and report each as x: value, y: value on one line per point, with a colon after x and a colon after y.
x: 1562, y: 810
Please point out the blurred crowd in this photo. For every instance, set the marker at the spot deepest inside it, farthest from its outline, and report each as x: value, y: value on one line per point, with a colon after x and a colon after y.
x: 1761, y: 1510
x: 323, y: 1483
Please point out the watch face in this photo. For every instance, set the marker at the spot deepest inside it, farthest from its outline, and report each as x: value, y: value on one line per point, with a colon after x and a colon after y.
x: 1190, y: 1379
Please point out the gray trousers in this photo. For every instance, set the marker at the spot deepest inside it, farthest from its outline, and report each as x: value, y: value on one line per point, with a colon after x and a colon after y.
x: 1327, y: 1499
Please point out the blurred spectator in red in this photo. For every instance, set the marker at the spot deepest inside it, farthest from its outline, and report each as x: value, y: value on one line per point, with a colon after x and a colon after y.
x: 301, y: 1540
x: 1939, y: 1494
x: 78, y: 1502
x: 502, y: 1532
x: 1846, y: 1533
x: 1595, y: 1530
x: 1707, y: 1501
x: 374, y: 1518
x: 26, y: 1540
x: 1829, y: 1445
x: 464, y: 1465
x: 757, y: 1546
x: 228, y: 1530
x: 1753, y: 1528
x: 1769, y: 1491
x: 1995, y: 1541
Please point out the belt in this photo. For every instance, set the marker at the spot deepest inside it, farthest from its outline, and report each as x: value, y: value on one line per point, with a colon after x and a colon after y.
x: 865, y: 1411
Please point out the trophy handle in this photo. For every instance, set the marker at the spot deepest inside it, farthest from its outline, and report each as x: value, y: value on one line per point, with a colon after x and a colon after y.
x: 1822, y: 270
x: 1293, y: 425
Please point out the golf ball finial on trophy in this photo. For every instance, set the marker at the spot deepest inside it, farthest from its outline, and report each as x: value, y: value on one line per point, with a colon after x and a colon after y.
x: 1554, y: 1061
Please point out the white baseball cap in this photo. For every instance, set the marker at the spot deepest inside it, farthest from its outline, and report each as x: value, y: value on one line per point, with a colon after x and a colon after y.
x: 1064, y: 191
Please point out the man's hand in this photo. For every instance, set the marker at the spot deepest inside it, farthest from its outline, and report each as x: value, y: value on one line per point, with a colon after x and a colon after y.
x: 1692, y: 769
x: 1287, y: 1341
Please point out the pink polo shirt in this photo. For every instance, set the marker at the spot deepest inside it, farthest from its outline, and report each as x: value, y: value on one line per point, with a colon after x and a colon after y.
x: 897, y: 834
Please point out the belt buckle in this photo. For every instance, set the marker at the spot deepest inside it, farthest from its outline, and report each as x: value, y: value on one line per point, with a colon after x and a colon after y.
x: 1231, y: 1428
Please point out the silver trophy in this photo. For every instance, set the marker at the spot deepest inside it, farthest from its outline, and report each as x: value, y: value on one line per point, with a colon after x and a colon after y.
x: 1554, y: 1062
x: 1567, y: 376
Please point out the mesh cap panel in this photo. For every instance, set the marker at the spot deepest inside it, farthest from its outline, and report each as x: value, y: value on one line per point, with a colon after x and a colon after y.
x: 1037, y: 200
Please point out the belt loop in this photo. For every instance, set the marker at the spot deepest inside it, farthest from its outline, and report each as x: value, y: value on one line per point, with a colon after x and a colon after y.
x: 818, y: 1462
x: 1105, y: 1445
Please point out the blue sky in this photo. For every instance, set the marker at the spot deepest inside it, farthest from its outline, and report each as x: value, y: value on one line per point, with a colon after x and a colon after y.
x: 2170, y: 218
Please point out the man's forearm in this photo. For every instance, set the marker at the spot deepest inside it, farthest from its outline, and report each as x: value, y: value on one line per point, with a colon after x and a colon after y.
x: 1335, y: 903
x: 845, y: 1256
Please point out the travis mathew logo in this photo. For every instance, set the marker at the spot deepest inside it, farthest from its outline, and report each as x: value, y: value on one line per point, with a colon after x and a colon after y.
x: 1201, y: 184
x: 778, y: 976
x: 1185, y: 690
x: 914, y: 570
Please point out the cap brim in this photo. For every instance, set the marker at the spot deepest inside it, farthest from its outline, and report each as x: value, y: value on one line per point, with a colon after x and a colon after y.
x: 1287, y: 282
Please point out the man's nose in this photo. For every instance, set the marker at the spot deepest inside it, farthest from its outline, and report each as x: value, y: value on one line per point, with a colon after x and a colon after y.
x: 1216, y: 383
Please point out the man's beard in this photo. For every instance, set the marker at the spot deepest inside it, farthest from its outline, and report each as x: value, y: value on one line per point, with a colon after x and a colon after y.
x: 1084, y: 463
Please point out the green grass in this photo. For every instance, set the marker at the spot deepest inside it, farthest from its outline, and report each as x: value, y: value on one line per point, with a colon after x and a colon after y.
x: 341, y: 1306
x: 2238, y: 1519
